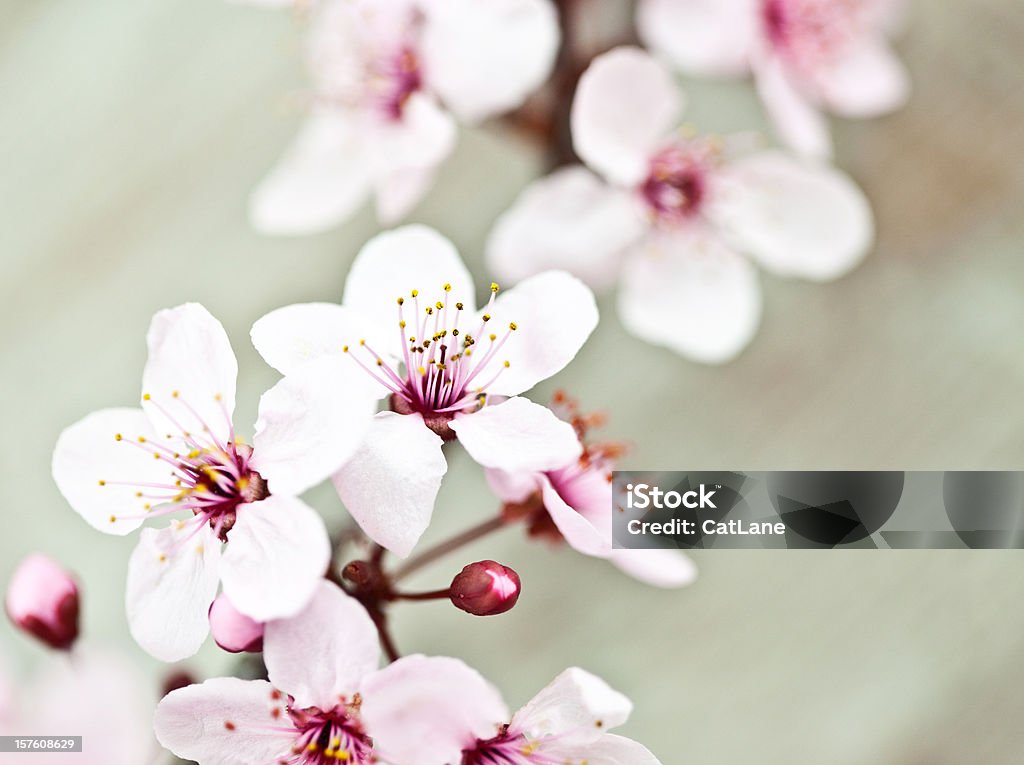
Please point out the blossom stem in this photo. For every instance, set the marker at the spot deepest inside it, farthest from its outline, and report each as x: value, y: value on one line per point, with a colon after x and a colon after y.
x: 387, y: 642
x: 441, y: 549
x: 432, y: 595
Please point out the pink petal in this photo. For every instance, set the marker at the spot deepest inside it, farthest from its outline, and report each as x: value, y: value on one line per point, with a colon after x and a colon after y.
x: 190, y: 374
x: 700, y: 37
x: 486, y: 58
x: 868, y: 81
x: 799, y: 123
x: 425, y: 710
x: 625, y: 105
x: 88, y: 452
x: 659, y: 568
x: 390, y: 484
x: 420, y: 140
x: 324, y: 651
x: 310, y: 423
x: 398, y: 193
x: 517, y: 435
x: 172, y: 580
x: 615, y: 750
x: 224, y: 721
x: 581, y: 534
x: 512, y: 487
x: 576, y: 706
x: 294, y: 335
x: 554, y: 314
x: 796, y: 218
x: 692, y: 294
x: 321, y: 180
x: 569, y: 220
x: 276, y: 555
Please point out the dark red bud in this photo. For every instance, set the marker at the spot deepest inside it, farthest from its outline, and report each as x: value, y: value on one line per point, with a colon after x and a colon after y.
x: 42, y: 599
x: 485, y: 588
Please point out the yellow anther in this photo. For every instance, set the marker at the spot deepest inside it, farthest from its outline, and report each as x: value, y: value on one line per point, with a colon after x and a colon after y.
x: 494, y: 287
x: 156, y: 455
x: 415, y: 293
x: 507, y: 364
x: 401, y: 301
x: 175, y: 394
x: 145, y: 397
x: 335, y: 743
x: 493, y: 337
x: 342, y: 754
x: 179, y: 525
x: 118, y: 436
x: 113, y: 519
x: 193, y: 454
x: 401, y: 324
x: 512, y: 326
x: 142, y: 439
x: 311, y: 746
x: 487, y: 317
x: 161, y: 557
x: 421, y: 370
x: 147, y: 506
x: 380, y: 362
x: 447, y: 287
x: 344, y: 349
x: 102, y: 482
x: 217, y: 397
x: 459, y: 306
x: 138, y: 494
x: 199, y: 549
x: 430, y: 310
x: 362, y: 342
x: 242, y: 483
x: 439, y: 305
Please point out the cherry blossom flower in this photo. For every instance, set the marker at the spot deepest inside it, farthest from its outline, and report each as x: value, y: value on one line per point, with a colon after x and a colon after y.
x: 391, y: 77
x: 807, y: 56
x: 95, y: 695
x: 180, y: 453
x: 574, y: 502
x: 42, y: 599
x: 326, y: 701
x: 667, y: 215
x: 444, y: 366
x: 567, y: 722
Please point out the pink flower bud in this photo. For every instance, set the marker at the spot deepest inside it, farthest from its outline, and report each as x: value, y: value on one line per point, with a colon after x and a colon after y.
x: 42, y: 599
x: 485, y: 588
x: 232, y: 630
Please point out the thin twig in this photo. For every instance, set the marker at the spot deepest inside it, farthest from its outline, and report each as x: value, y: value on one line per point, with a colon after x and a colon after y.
x: 443, y: 548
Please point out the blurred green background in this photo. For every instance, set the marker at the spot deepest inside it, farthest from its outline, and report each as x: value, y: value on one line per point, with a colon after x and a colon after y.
x: 131, y: 132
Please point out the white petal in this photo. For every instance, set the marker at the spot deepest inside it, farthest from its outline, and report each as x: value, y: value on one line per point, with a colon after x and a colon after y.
x: 390, y: 484
x: 625, y: 104
x: 868, y: 81
x: 190, y: 374
x: 797, y: 218
x: 691, y: 294
x: 89, y: 452
x: 576, y: 706
x: 420, y: 140
x: 512, y: 487
x: 517, y: 435
x: 289, y: 337
x: 276, y: 555
x: 172, y: 580
x: 616, y: 750
x: 700, y: 37
x: 397, y: 193
x: 393, y: 264
x: 319, y: 182
x: 224, y: 721
x: 570, y: 220
x: 425, y: 710
x: 486, y: 58
x: 581, y: 534
x: 798, y: 122
x: 659, y: 568
x: 323, y: 652
x: 554, y: 314
x: 310, y: 423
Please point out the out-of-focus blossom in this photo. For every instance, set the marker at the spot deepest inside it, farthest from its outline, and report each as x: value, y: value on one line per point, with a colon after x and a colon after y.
x: 444, y: 366
x: 807, y: 56
x: 42, y: 600
x: 567, y: 722
x: 485, y: 588
x: 390, y: 79
x: 93, y: 695
x: 574, y: 502
x: 326, y: 701
x: 179, y: 452
x: 667, y: 215
x: 232, y: 630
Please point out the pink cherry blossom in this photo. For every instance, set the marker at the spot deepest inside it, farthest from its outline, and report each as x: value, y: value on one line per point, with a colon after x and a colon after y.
x: 390, y: 78
x: 42, y: 600
x: 667, y: 215
x: 180, y: 453
x: 326, y: 701
x: 576, y: 499
x: 807, y: 56
x: 232, y: 630
x: 448, y: 371
x: 567, y: 722
x: 95, y: 695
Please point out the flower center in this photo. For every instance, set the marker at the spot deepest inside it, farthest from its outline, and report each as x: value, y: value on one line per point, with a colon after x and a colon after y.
x: 207, y: 476
x: 808, y: 33
x: 507, y: 749
x: 393, y: 79
x: 676, y: 187
x: 443, y: 371
x: 328, y: 738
